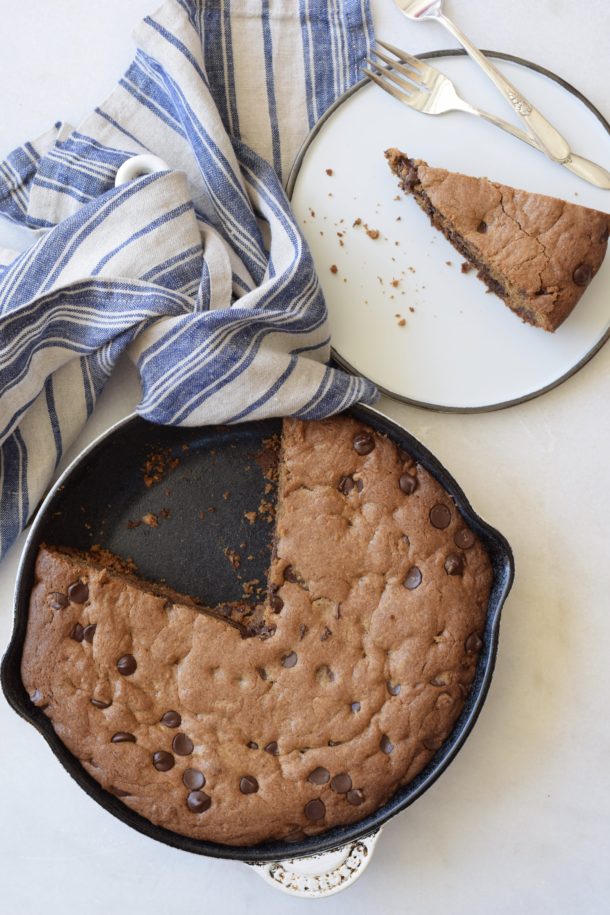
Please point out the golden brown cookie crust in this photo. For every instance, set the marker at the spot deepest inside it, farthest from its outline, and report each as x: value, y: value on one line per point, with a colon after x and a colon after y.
x: 363, y: 678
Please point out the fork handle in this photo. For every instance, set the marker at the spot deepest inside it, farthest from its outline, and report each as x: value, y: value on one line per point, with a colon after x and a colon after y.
x: 548, y: 138
x: 580, y: 166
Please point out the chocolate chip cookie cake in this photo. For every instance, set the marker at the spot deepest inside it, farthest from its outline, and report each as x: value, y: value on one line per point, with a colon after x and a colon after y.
x: 537, y: 253
x: 240, y: 724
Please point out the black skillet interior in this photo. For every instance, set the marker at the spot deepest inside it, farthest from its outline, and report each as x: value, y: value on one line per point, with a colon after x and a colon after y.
x: 199, y: 506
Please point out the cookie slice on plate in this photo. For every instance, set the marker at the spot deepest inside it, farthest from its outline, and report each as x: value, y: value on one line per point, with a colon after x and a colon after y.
x: 537, y: 253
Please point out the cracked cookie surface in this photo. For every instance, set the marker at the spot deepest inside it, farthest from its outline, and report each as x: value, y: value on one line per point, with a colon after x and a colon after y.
x: 376, y: 603
x: 537, y: 253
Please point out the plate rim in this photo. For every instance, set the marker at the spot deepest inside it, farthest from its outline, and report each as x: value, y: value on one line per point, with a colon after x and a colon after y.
x: 344, y: 363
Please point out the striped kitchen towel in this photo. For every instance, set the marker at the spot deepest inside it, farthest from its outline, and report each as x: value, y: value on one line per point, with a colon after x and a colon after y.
x: 200, y: 270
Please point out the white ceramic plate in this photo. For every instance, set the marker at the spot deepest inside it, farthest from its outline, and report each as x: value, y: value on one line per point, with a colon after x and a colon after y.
x: 460, y: 348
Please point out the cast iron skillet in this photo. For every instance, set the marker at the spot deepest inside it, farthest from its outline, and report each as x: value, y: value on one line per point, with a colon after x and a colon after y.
x: 104, y: 489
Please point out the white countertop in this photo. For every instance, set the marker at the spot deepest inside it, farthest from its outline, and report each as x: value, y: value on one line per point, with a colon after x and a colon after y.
x: 521, y: 819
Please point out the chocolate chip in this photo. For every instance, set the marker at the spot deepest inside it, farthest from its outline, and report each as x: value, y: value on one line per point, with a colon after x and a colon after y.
x: 454, y: 565
x: 248, y: 784
x: 193, y: 779
x: 465, y: 539
x: 319, y: 776
x: 36, y: 696
x: 473, y: 643
x: 77, y: 632
x: 438, y: 681
x: 101, y: 703
x: 289, y: 660
x: 276, y: 603
x: 408, y: 483
x: 315, y: 810
x: 262, y: 673
x: 355, y: 797
x: 346, y: 484
x: 335, y: 743
x: 126, y: 665
x: 363, y: 443
x: 272, y: 748
x: 355, y: 706
x: 78, y: 592
x: 123, y: 737
x: 359, y: 485
x: 118, y: 792
x: 440, y: 516
x: 171, y: 719
x: 57, y: 600
x: 583, y: 275
x: 410, y: 178
x: 252, y: 745
x: 413, y: 579
x: 163, y: 761
x: 302, y: 630
x: 89, y: 632
x: 198, y: 801
x: 386, y: 744
x: 290, y: 575
x: 432, y: 743
x: 341, y: 783
x: 326, y: 634
x: 265, y: 632
x: 182, y: 745
x: 393, y: 690
x: 482, y: 227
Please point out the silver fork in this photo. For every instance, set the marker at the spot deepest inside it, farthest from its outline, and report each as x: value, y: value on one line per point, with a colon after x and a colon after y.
x: 420, y: 86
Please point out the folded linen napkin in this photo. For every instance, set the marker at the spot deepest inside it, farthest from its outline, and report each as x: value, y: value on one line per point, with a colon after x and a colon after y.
x: 200, y: 270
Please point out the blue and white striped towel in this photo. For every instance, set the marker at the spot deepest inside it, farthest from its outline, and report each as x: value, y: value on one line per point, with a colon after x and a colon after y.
x: 201, y: 270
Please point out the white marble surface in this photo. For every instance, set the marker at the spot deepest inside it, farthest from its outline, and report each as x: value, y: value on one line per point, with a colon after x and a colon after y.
x: 521, y: 820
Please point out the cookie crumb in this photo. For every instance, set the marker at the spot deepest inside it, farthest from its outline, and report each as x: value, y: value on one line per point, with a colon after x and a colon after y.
x: 333, y: 268
x: 329, y: 172
x: 466, y: 267
x: 233, y: 557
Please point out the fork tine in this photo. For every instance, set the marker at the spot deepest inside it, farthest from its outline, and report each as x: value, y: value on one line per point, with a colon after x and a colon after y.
x: 387, y: 87
x: 407, y: 88
x: 406, y: 71
x: 402, y: 55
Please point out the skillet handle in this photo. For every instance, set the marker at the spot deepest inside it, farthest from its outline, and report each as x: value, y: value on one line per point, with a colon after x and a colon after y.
x: 318, y: 876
